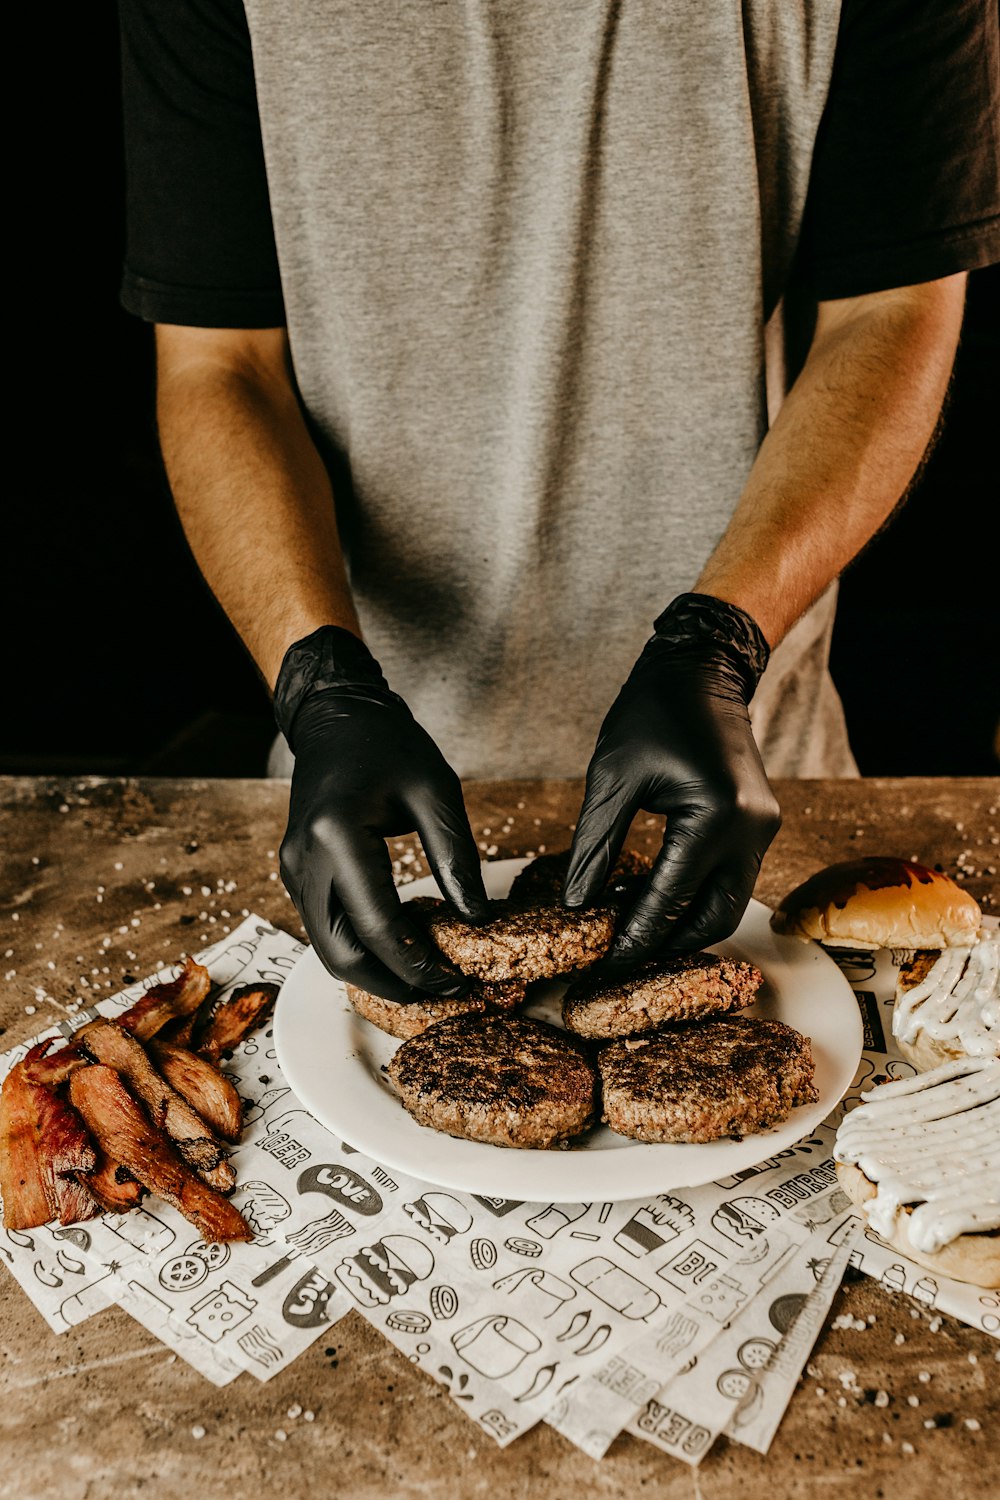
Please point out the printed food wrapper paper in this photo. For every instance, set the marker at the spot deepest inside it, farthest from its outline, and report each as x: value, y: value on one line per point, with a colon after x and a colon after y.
x: 743, y: 1382
x: 710, y: 1250
x: 586, y: 1315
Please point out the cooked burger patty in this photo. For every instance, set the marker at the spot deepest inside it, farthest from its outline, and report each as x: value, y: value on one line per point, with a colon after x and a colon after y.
x: 915, y: 969
x: 520, y: 942
x: 665, y: 989
x: 410, y: 1018
x: 542, y: 880
x: 728, y: 1077
x: 500, y: 1079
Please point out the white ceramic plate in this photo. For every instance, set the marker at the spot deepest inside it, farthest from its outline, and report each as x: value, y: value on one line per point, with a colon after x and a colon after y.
x: 333, y: 1060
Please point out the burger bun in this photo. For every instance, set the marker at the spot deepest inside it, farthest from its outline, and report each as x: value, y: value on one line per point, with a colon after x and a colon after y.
x: 880, y: 902
x: 973, y: 1258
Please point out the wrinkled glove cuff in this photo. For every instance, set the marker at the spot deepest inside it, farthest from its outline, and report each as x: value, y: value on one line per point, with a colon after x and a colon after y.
x: 700, y: 620
x: 330, y: 657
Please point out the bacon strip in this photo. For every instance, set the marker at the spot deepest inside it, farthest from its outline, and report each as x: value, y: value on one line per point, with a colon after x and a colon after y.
x: 76, y: 1201
x: 113, y: 1185
x: 178, y: 1032
x: 202, y: 1085
x: 229, y: 1023
x: 123, y: 1132
x: 43, y: 1144
x: 167, y: 1002
x: 109, y: 1044
x: 39, y: 1067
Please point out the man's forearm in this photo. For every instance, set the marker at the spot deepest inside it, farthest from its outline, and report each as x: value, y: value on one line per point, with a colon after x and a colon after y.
x: 250, y: 487
x: 846, y: 443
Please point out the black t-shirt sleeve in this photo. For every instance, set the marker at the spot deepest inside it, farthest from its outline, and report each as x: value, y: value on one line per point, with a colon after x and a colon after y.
x: 199, y: 240
x: 905, y: 181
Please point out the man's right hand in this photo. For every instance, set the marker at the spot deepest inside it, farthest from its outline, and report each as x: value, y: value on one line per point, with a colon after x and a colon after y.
x: 366, y: 771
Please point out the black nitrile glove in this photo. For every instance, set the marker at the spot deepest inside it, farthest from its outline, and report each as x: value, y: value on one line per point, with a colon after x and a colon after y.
x: 677, y: 740
x: 366, y: 771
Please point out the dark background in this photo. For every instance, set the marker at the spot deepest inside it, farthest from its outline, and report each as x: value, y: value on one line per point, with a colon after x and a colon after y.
x: 117, y: 660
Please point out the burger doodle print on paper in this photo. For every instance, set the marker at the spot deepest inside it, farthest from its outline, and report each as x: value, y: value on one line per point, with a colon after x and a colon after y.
x: 379, y: 1273
x: 441, y: 1215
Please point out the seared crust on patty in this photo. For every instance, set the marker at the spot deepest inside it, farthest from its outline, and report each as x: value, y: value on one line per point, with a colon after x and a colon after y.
x: 410, y: 1018
x: 663, y: 990
x: 542, y: 880
x: 732, y: 1076
x: 519, y: 942
x: 495, y: 1078
x: 915, y: 969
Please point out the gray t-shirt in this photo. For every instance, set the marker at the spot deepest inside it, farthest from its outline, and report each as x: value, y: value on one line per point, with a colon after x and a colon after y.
x: 528, y: 253
x: 527, y: 258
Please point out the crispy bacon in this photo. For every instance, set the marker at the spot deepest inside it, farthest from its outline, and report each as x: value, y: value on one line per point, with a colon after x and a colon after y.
x: 109, y: 1044
x: 202, y: 1085
x: 178, y: 1032
x: 152, y: 1106
x: 43, y: 1144
x: 76, y: 1201
x: 167, y: 1002
x: 124, y: 1133
x: 229, y: 1023
x: 51, y: 1069
x: 113, y: 1185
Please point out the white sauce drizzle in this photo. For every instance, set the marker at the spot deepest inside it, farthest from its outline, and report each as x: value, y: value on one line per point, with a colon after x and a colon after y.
x: 931, y: 1143
x: 959, y: 1001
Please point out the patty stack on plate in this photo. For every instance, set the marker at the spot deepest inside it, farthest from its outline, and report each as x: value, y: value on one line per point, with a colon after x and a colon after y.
x: 658, y: 1051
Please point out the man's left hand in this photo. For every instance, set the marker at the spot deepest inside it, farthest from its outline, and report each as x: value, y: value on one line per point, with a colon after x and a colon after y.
x: 677, y: 740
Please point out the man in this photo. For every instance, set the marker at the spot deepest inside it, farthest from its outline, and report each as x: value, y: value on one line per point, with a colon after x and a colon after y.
x: 473, y: 294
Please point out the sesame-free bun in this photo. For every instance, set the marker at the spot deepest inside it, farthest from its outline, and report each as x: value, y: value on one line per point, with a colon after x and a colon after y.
x: 973, y: 1258
x: 881, y: 902
x: 925, y: 1052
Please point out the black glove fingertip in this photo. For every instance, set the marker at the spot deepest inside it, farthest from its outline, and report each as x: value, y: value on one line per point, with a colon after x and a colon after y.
x: 580, y: 890
x: 474, y: 910
x: 444, y: 984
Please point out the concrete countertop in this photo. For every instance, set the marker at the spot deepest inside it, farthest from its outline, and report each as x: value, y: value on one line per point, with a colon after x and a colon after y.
x: 121, y: 876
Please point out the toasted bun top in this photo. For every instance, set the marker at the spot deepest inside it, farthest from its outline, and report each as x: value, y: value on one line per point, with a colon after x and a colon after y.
x: 880, y: 902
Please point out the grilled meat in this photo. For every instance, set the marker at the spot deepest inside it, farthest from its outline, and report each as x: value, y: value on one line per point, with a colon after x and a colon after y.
x: 113, y: 1185
x: 409, y: 1018
x: 109, y: 1044
x: 519, y: 942
x: 497, y: 1078
x: 541, y: 882
x: 202, y: 1085
x: 229, y: 1022
x: 52, y: 1069
x: 124, y: 1133
x: 43, y: 1144
x: 729, y: 1076
x: 665, y: 989
x: 179, y: 998
x: 179, y: 1032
